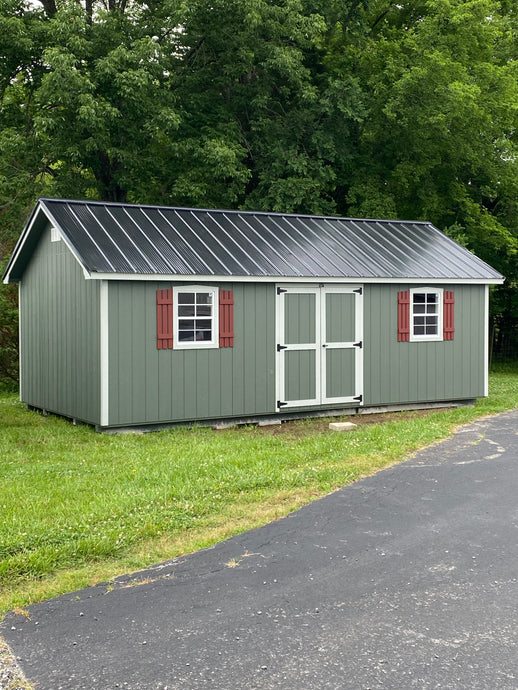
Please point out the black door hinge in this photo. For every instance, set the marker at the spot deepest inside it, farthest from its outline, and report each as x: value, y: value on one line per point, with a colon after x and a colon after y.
x: 359, y: 344
x: 281, y: 404
x: 281, y: 347
x: 359, y: 398
x: 359, y: 291
x: 281, y: 290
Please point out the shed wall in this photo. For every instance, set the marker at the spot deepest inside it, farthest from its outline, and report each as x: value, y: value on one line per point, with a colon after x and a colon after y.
x: 401, y: 372
x: 150, y: 386
x: 59, y: 334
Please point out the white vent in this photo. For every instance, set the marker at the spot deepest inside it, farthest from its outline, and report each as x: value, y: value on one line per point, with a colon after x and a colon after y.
x: 55, y: 235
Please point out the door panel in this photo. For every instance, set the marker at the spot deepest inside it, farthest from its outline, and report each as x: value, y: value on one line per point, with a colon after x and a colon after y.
x: 319, y: 345
x: 340, y: 317
x: 300, y: 319
x: 340, y: 373
x: 300, y: 375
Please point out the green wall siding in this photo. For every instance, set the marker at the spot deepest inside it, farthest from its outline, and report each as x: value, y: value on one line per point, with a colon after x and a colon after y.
x: 413, y: 372
x: 148, y: 386
x: 59, y: 334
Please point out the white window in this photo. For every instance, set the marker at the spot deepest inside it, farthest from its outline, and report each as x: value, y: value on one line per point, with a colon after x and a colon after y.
x: 426, y: 314
x: 195, y: 316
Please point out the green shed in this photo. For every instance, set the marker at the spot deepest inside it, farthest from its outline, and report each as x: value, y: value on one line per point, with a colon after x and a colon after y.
x: 145, y: 316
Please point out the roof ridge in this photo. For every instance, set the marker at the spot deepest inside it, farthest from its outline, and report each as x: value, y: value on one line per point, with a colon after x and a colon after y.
x: 193, y: 209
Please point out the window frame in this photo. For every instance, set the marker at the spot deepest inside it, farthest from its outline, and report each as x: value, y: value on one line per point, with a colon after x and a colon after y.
x: 196, y: 344
x: 440, y: 311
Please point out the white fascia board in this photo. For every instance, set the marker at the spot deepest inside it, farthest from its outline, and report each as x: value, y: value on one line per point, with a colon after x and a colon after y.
x: 21, y: 242
x: 40, y: 208
x: 290, y: 279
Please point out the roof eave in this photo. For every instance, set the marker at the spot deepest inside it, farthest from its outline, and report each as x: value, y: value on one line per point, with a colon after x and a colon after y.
x: 196, y: 278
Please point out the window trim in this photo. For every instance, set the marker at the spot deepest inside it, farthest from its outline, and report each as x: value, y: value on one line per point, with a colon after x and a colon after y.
x: 196, y: 344
x: 440, y: 303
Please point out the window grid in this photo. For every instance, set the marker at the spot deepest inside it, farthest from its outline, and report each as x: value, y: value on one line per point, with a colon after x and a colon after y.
x: 195, y: 317
x: 425, y: 313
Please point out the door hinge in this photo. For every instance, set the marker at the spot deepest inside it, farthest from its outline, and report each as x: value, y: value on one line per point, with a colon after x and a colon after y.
x: 281, y: 347
x: 359, y: 291
x: 281, y: 404
x: 281, y: 290
x: 358, y: 344
x: 359, y: 398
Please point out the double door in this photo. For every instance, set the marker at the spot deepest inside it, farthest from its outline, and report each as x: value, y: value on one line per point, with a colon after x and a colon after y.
x: 319, y: 333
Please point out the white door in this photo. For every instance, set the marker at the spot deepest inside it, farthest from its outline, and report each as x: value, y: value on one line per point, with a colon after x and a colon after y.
x: 319, y: 345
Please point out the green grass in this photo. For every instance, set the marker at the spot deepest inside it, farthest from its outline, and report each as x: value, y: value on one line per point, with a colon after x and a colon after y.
x: 78, y: 507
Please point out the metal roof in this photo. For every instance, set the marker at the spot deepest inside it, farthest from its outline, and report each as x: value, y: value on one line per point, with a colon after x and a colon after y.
x: 114, y: 239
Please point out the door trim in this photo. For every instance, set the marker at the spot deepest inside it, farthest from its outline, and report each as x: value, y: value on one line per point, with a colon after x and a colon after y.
x: 320, y: 346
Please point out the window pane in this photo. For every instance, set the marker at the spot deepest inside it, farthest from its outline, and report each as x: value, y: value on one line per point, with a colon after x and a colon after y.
x: 186, y: 336
x: 203, y: 335
x: 204, y: 324
x: 431, y: 330
x: 419, y: 297
x: 186, y: 310
x: 431, y: 321
x: 431, y: 309
x: 204, y: 310
x: 186, y: 298
x: 204, y: 298
x: 186, y: 325
x: 418, y: 330
x: 419, y: 309
x: 419, y: 321
x: 431, y: 297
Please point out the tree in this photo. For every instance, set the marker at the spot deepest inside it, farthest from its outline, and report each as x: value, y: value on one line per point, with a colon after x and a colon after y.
x: 439, y: 141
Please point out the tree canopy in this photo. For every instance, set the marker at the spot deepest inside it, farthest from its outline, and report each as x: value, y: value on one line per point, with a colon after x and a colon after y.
x: 351, y: 107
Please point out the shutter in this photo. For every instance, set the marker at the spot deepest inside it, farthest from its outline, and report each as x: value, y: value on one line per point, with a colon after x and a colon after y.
x: 403, y: 316
x: 448, y: 315
x: 226, y: 318
x: 164, y: 319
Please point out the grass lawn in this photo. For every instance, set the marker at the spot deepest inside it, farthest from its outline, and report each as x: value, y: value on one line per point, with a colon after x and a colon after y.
x: 77, y: 507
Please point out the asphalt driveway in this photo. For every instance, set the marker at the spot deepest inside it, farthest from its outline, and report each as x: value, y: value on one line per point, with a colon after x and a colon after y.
x: 407, y: 579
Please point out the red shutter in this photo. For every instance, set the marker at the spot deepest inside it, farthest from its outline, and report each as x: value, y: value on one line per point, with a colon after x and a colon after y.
x: 448, y: 315
x: 403, y: 316
x: 226, y: 318
x: 164, y: 319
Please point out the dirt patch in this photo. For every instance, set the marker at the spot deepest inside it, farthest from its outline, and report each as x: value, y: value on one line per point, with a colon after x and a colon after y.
x: 299, y: 428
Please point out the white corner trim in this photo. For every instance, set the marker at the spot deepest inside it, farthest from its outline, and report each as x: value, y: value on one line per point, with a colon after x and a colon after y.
x: 486, y: 341
x: 104, y: 354
x: 20, y: 372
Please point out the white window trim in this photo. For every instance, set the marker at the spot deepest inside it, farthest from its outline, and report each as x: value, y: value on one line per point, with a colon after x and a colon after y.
x: 196, y: 345
x: 427, y: 338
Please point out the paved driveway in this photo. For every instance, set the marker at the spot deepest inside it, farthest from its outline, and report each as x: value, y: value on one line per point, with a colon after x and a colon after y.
x: 407, y: 579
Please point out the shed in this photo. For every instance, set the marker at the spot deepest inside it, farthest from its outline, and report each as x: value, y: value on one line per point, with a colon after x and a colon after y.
x: 134, y: 315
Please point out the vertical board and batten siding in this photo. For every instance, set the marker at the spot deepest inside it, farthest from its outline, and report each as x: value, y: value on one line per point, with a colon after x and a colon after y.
x: 59, y: 334
x: 411, y: 372
x: 152, y: 386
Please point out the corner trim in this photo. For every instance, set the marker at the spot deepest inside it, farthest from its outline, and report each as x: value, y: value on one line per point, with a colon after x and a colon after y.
x: 104, y: 353
x: 486, y: 341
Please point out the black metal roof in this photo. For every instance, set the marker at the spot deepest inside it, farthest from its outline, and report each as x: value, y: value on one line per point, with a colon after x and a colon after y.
x: 113, y: 239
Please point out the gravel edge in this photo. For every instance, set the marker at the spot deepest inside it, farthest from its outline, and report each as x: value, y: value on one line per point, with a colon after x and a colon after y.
x: 11, y: 676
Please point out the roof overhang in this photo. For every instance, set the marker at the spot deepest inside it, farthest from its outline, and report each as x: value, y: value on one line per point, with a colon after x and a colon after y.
x: 142, y: 277
x: 31, y: 234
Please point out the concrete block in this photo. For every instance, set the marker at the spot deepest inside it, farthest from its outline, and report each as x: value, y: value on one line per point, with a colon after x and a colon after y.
x: 342, y: 426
